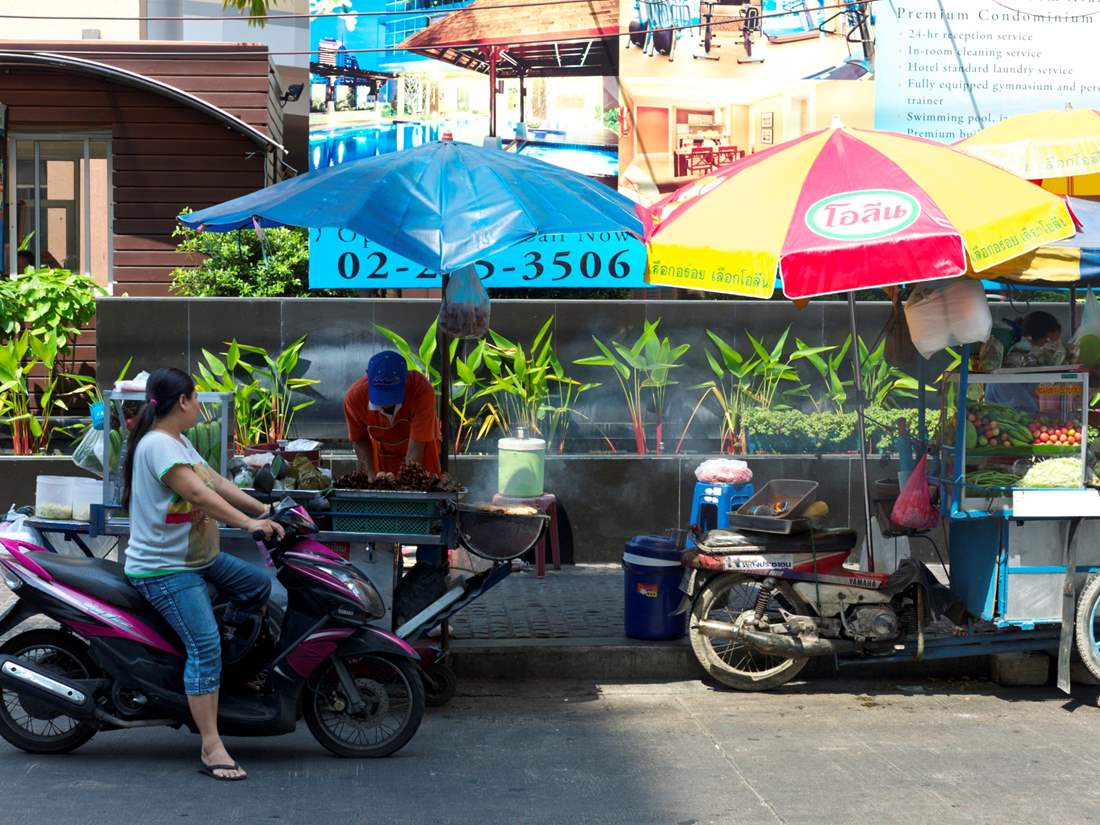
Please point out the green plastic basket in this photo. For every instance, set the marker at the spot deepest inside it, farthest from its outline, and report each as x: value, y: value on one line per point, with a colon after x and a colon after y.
x: 387, y: 513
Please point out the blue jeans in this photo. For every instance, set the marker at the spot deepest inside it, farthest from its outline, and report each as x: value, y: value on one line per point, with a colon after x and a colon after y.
x: 183, y: 600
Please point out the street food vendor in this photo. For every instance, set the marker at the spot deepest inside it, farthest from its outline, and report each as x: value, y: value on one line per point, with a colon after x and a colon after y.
x: 391, y: 416
x: 1036, y: 331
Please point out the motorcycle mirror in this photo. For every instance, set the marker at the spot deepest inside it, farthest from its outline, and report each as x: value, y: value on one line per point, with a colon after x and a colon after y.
x: 264, y: 482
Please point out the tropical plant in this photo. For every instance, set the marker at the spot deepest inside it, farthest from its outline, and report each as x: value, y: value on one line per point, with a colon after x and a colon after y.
x: 423, y: 357
x: 263, y: 392
x: 828, y: 365
x: 643, y: 371
x: 256, y: 10
x: 241, y: 264
x: 731, y: 387
x: 50, y: 305
x: 528, y: 388
x: 30, y: 430
x: 883, y: 383
x: 774, y: 368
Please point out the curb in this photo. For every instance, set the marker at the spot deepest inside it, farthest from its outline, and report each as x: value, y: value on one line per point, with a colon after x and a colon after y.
x: 618, y: 659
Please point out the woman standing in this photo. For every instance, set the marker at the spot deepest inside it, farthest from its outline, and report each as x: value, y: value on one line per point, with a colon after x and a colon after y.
x: 176, y: 501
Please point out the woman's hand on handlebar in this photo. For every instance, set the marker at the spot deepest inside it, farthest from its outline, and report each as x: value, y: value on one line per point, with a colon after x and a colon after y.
x: 265, y: 528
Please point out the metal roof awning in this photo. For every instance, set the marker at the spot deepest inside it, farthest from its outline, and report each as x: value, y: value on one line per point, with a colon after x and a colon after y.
x: 92, y: 68
x: 562, y: 40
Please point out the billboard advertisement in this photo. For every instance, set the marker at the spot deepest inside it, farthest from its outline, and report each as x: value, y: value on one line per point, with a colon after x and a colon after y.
x: 649, y: 95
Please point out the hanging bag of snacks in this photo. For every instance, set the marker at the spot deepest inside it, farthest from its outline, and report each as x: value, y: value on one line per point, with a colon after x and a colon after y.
x: 465, y: 309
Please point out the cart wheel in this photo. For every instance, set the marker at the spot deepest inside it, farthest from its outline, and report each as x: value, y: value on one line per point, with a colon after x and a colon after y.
x: 440, y: 685
x: 1087, y: 629
x: 637, y: 33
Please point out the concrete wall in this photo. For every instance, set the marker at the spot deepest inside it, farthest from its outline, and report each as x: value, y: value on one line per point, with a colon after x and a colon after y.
x: 342, y: 338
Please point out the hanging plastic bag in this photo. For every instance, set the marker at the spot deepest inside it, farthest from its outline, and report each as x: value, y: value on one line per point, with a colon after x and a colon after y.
x: 968, y: 314
x: 913, y: 510
x: 88, y: 454
x: 1090, y: 319
x: 465, y: 309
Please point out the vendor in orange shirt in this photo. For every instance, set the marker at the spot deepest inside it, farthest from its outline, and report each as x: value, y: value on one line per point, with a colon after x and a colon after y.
x: 391, y: 415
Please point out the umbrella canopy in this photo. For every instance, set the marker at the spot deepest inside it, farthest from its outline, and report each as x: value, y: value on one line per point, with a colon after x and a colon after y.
x: 1075, y: 261
x: 845, y: 209
x: 442, y: 205
x: 1053, y: 144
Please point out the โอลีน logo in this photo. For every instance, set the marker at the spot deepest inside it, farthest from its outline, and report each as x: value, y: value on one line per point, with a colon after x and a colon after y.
x: 862, y: 215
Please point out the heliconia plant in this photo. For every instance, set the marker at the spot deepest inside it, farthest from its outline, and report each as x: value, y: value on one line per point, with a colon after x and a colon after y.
x: 644, y: 372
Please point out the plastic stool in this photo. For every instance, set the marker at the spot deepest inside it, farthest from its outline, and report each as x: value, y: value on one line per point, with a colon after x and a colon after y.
x: 711, y: 503
x: 547, y: 504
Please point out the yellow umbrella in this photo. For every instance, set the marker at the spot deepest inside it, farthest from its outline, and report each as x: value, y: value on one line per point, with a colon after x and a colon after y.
x: 1051, y: 146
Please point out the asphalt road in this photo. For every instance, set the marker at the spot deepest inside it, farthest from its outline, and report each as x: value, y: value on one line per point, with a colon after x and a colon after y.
x: 571, y: 752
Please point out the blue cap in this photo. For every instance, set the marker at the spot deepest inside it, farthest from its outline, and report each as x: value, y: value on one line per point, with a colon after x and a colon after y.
x: 386, y: 373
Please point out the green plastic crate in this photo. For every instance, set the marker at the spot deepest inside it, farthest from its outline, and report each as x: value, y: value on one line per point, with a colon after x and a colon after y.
x: 386, y: 513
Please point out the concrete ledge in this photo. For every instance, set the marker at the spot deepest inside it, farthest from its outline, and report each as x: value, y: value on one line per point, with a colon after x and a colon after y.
x: 613, y: 659
x: 618, y: 659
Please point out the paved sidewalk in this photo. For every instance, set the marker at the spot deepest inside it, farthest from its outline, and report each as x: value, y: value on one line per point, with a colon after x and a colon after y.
x: 581, y: 602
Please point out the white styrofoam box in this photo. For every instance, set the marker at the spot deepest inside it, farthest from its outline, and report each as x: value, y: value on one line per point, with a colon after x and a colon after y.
x: 1056, y: 503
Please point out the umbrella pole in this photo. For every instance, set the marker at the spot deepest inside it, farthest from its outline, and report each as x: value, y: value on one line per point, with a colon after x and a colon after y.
x: 857, y: 370
x: 443, y: 344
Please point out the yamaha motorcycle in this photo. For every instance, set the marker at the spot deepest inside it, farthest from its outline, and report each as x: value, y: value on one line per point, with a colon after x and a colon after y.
x: 114, y: 663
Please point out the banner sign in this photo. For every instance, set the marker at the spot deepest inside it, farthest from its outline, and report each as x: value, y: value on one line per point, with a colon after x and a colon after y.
x: 947, y: 70
x: 344, y: 260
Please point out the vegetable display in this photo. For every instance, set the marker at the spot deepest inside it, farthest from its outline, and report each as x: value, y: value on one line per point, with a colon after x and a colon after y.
x: 1055, y: 472
x: 206, y: 438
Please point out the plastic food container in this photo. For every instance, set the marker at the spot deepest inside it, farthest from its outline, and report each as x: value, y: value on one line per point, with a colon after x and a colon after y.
x: 521, y: 464
x: 53, y: 497
x: 86, y: 492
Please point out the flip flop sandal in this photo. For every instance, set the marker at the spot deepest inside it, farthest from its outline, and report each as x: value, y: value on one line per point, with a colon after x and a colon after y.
x: 208, y: 770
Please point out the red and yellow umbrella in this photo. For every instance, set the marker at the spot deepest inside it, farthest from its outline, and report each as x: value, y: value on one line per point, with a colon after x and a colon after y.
x: 845, y: 209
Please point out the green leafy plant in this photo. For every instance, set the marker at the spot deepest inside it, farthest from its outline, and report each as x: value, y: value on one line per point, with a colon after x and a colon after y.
x: 643, y: 371
x: 828, y: 365
x: 883, y: 383
x: 30, y: 431
x: 42, y: 311
x: 774, y: 368
x: 239, y: 264
x: 423, y: 357
x: 731, y: 387
x: 529, y: 388
x: 793, y: 431
x: 263, y: 391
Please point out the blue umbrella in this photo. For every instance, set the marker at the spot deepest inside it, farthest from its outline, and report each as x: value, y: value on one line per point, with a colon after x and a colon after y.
x: 442, y: 205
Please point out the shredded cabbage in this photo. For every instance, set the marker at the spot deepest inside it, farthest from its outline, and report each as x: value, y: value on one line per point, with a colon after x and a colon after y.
x: 1055, y: 472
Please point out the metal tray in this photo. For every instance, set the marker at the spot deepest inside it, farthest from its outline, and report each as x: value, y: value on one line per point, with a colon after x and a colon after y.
x: 770, y: 524
x: 795, y: 494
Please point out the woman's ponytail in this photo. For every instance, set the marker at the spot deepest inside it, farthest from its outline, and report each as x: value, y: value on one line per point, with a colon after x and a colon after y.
x: 163, y: 391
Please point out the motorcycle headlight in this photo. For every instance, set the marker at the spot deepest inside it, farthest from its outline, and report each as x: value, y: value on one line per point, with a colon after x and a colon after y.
x: 364, y: 592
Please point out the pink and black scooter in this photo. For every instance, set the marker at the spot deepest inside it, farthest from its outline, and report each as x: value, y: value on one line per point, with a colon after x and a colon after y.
x: 114, y: 663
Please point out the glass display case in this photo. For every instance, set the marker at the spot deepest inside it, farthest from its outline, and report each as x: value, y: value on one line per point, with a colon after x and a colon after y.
x: 1015, y: 420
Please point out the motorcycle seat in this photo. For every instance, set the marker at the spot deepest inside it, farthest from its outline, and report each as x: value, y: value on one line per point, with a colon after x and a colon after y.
x: 101, y: 578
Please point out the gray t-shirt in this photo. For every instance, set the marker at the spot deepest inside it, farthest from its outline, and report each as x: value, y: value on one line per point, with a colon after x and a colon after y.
x: 167, y: 535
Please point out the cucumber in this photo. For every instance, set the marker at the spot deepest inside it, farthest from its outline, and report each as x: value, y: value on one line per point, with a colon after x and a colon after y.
x: 214, y: 449
x: 201, y: 438
x: 116, y: 448
x: 971, y: 435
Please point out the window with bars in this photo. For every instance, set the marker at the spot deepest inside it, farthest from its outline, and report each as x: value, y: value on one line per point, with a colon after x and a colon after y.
x: 57, y: 193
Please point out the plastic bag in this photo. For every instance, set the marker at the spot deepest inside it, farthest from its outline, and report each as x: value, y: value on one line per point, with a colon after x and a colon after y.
x: 948, y: 315
x: 88, y: 454
x: 913, y: 510
x: 724, y: 471
x: 465, y: 309
x: 1090, y: 319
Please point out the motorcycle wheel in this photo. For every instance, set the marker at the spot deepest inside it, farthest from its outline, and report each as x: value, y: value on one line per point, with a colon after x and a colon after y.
x: 733, y: 663
x: 1087, y: 626
x: 32, y: 726
x: 394, y: 698
x: 440, y: 685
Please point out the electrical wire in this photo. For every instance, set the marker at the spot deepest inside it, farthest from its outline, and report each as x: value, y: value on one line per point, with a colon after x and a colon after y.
x: 393, y: 49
